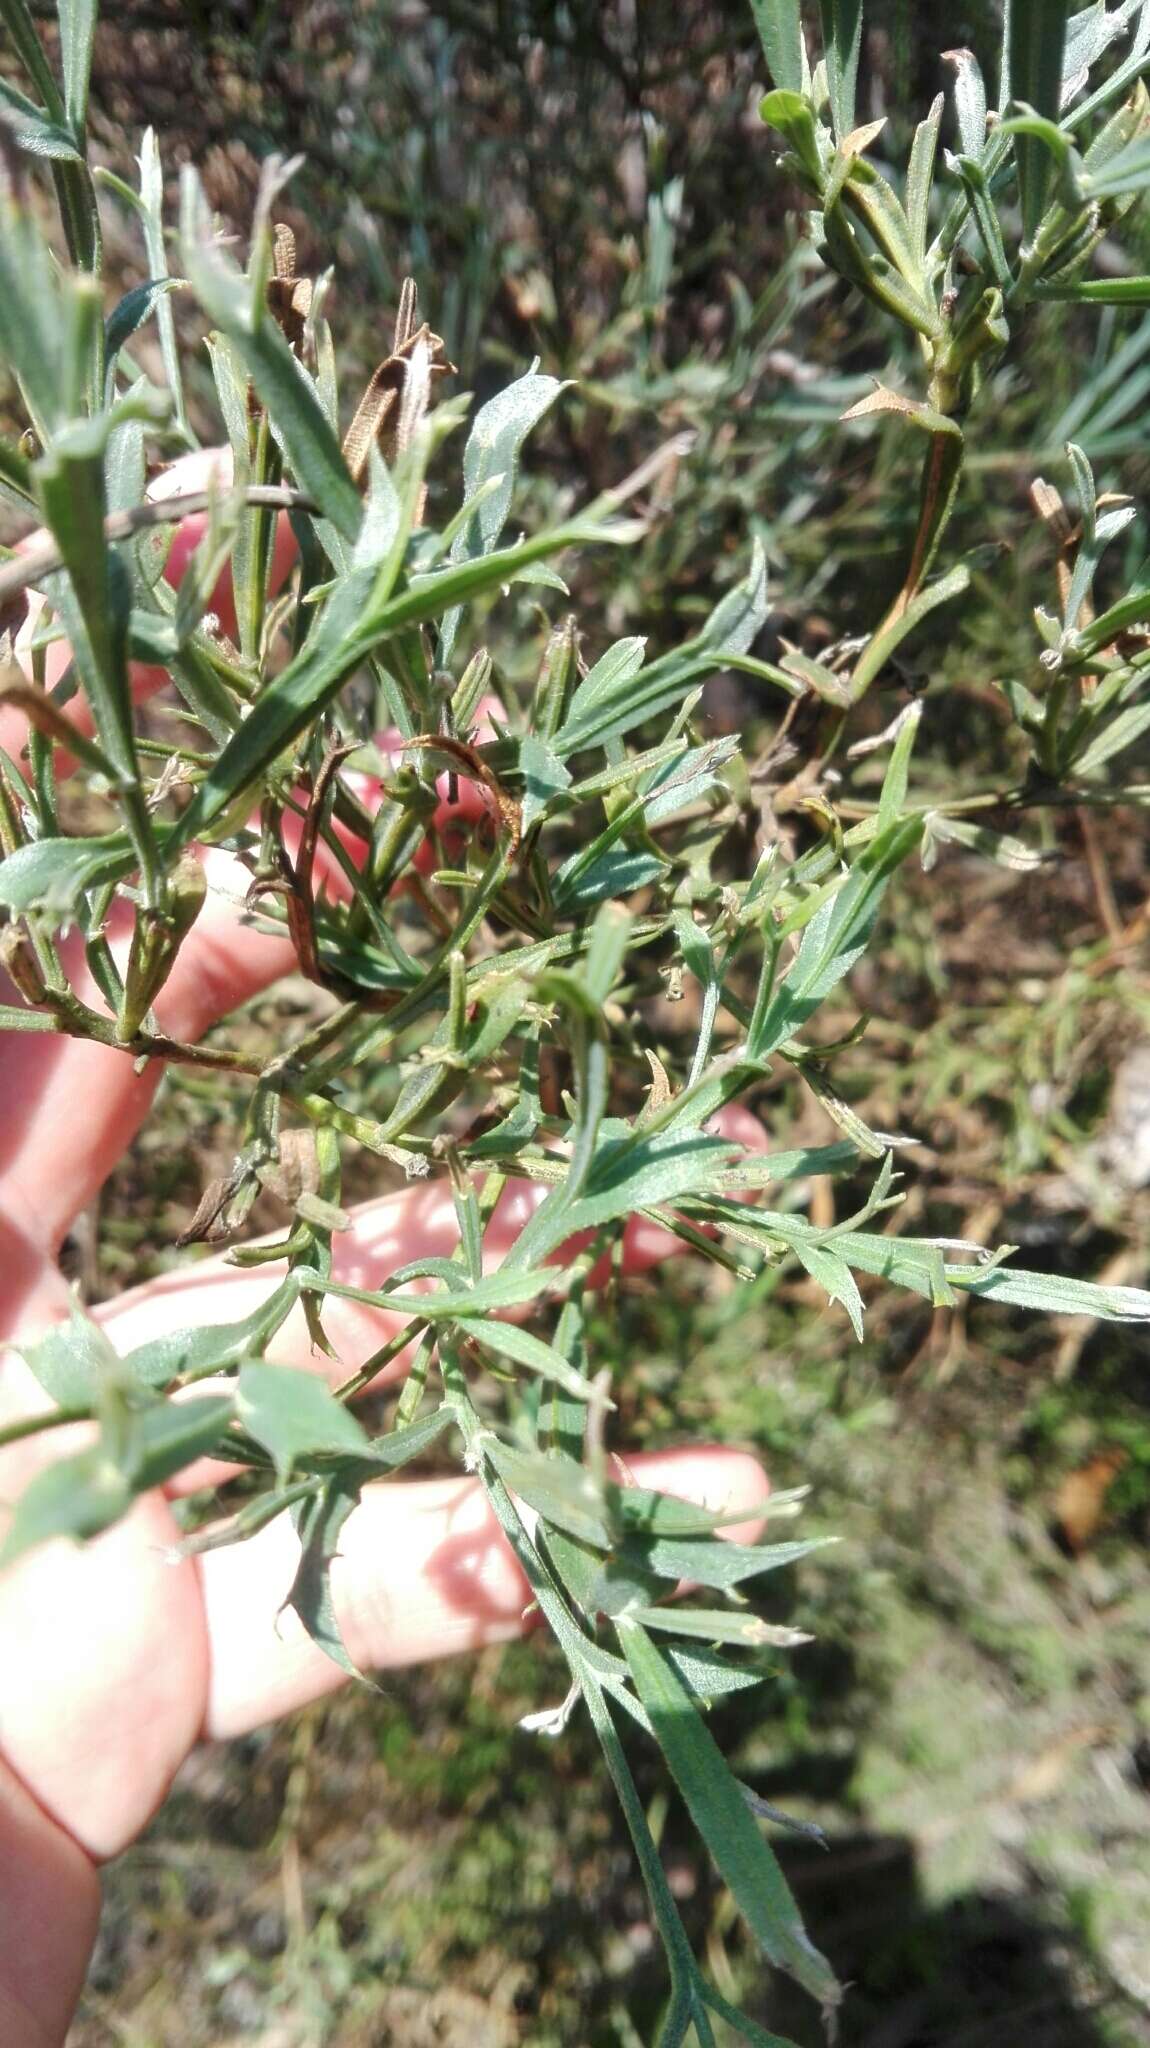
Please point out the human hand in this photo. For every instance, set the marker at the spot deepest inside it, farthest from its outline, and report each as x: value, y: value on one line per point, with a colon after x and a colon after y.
x: 118, y: 1660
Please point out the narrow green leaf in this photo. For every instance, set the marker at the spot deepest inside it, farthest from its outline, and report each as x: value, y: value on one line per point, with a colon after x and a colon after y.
x: 130, y: 312
x: 713, y: 1561
x: 319, y: 1520
x: 779, y: 23
x: 78, y: 1497
x: 188, y: 1355
x: 72, y: 1360
x: 151, y: 206
x: 1037, y: 43
x: 609, y: 677
x: 896, y: 781
x: 611, y: 701
x: 281, y: 381
x: 834, y: 939
x: 969, y: 101
x: 710, y: 1677
x: 52, y: 874
x: 77, y: 20
x: 507, y: 1288
x: 834, y: 1277
x: 509, y: 1340
x: 842, y: 35
x: 920, y: 178
x: 1055, y: 1293
x: 294, y: 1415
x: 1111, y: 738
x: 169, y: 1436
x: 741, y: 1853
x: 32, y: 130
x: 566, y: 1494
x: 639, y: 1510
x: 490, y: 463
x: 729, y: 1625
x: 32, y: 323
x: 70, y: 486
x: 881, y: 645
x: 1000, y: 847
x: 1097, y: 291
x: 1114, y: 86
x: 26, y: 42
x: 400, y: 1446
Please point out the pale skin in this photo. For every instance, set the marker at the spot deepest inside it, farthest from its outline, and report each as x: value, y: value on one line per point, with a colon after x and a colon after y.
x: 117, y: 1660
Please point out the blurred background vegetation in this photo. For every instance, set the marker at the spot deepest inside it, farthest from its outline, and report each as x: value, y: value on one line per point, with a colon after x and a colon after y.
x: 589, y: 183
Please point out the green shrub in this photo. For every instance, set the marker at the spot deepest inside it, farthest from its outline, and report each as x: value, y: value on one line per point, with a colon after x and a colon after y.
x: 600, y: 859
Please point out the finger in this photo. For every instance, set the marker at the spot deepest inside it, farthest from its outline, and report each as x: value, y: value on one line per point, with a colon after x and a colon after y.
x: 105, y: 1674
x: 423, y: 1571
x: 49, y: 1914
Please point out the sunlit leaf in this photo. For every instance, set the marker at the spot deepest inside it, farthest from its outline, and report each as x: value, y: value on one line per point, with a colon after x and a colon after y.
x: 319, y: 1521
x: 719, y: 1811
x: 79, y: 1497
x: 170, y: 1435
x: 780, y: 31
x: 71, y: 1359
x: 294, y: 1415
x: 1037, y: 41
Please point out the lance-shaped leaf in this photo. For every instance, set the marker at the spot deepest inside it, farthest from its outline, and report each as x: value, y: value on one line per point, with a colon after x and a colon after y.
x: 566, y: 1494
x: 130, y: 312
x: 188, y: 1355
x: 732, y: 1626
x: 708, y: 1676
x: 71, y: 1360
x: 779, y: 23
x: 834, y: 1277
x: 1037, y: 41
x: 70, y: 487
x: 712, y: 1560
x: 294, y: 1416
x: 719, y: 1810
x: 77, y: 31
x: 280, y: 379
x: 842, y: 35
x: 52, y: 874
x: 1054, y: 1293
x: 170, y: 1435
x: 509, y: 1340
x: 78, y: 1497
x: 618, y: 695
x: 490, y: 463
x: 32, y: 325
x: 31, y: 128
x: 319, y: 1520
x: 894, y: 630
x: 834, y: 939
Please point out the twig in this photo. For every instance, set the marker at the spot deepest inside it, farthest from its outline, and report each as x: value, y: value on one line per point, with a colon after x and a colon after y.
x: 35, y: 563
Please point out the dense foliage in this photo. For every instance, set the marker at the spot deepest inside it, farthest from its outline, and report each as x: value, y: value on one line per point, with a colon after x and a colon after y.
x: 492, y: 939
